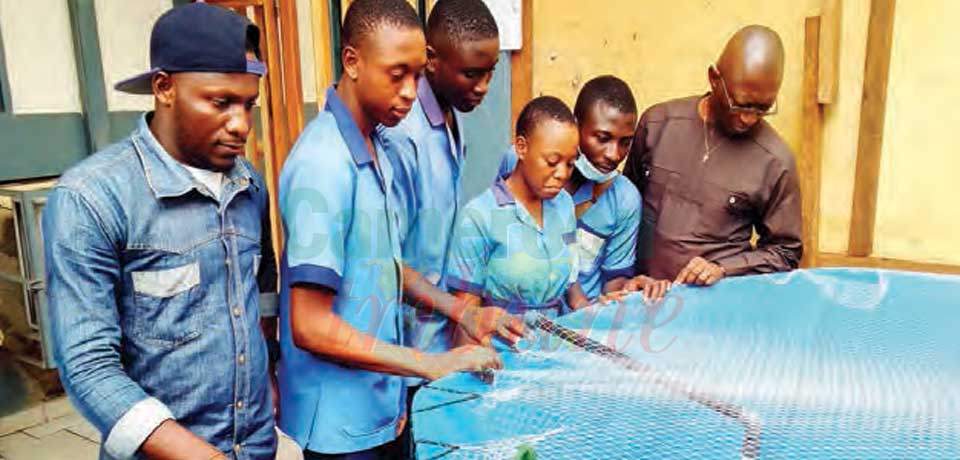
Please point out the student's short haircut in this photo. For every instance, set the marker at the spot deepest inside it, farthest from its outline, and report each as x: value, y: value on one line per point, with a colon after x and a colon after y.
x: 461, y: 21
x: 607, y: 89
x: 366, y: 16
x: 541, y: 109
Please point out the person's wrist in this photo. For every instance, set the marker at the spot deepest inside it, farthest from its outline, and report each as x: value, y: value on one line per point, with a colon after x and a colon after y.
x: 468, y: 314
x: 422, y: 364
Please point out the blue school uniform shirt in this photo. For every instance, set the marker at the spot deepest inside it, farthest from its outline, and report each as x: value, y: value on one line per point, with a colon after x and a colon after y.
x: 606, y: 233
x: 342, y: 234
x: 501, y: 255
x: 427, y: 162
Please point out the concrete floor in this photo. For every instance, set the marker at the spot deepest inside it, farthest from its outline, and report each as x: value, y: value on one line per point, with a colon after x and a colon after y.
x: 55, y: 431
x: 48, y: 431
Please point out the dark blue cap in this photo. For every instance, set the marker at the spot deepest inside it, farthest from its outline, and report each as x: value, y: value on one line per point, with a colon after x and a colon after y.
x: 198, y: 38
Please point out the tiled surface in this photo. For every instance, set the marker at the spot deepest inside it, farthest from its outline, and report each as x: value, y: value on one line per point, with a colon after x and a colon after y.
x: 54, y: 431
x: 51, y: 431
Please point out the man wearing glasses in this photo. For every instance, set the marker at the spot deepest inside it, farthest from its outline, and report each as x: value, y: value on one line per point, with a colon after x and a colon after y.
x: 711, y: 170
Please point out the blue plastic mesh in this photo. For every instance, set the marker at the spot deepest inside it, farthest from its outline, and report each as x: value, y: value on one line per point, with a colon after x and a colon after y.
x: 823, y: 364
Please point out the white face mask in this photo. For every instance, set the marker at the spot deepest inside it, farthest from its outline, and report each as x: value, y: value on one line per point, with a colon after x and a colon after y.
x: 590, y: 172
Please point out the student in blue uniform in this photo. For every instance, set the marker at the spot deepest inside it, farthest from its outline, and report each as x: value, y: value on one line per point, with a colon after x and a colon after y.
x: 427, y: 151
x: 607, y: 205
x: 342, y: 394
x: 514, y: 244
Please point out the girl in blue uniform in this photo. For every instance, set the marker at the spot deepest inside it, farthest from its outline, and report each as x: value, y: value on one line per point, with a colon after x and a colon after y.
x: 513, y: 245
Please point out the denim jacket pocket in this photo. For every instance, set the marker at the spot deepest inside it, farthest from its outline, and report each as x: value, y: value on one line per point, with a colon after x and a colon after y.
x: 169, y: 303
x: 166, y: 283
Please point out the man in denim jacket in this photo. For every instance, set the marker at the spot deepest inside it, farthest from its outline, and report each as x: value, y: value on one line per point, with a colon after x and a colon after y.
x: 159, y: 259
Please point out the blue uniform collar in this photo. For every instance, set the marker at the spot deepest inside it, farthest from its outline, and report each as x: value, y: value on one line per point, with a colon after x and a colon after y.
x: 348, y: 127
x: 584, y: 193
x: 502, y: 193
x: 166, y: 177
x: 428, y: 100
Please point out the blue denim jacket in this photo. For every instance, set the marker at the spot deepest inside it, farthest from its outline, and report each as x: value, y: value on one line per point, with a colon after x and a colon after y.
x: 155, y: 302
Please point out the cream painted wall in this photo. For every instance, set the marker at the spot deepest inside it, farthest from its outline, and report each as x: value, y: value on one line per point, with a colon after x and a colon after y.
x: 124, y: 31
x: 918, y: 217
x: 841, y: 130
x: 38, y: 44
x: 663, y: 49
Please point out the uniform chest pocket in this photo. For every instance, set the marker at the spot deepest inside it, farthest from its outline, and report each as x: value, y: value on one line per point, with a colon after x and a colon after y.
x: 169, y: 304
x: 723, y: 212
x: 588, y: 248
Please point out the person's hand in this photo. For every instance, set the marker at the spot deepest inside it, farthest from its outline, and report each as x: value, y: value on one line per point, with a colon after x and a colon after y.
x: 700, y: 272
x: 401, y: 424
x: 472, y: 358
x: 615, y: 296
x: 653, y: 289
x: 481, y: 323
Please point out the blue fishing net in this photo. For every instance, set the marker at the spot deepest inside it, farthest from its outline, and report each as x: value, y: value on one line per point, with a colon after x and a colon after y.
x: 819, y: 364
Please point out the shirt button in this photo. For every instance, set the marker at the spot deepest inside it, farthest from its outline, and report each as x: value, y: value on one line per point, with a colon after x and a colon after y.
x: 241, y: 359
x: 239, y: 404
x: 236, y: 448
x: 227, y: 261
x: 236, y: 311
x: 733, y: 200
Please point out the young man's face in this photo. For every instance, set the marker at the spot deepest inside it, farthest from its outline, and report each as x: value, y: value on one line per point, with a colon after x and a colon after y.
x: 212, y: 115
x: 547, y: 156
x: 460, y: 73
x: 606, y: 135
x: 389, y: 62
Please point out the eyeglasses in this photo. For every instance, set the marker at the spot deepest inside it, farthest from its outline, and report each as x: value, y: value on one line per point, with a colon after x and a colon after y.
x: 739, y: 109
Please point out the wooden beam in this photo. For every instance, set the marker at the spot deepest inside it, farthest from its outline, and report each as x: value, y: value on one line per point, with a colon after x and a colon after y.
x: 237, y: 3
x: 274, y: 131
x: 323, y: 49
x: 844, y: 260
x: 872, y: 115
x: 521, y: 65
x: 292, y: 80
x: 831, y: 22
x: 808, y: 163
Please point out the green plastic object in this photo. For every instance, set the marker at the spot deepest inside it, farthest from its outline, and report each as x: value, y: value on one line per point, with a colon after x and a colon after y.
x: 525, y: 452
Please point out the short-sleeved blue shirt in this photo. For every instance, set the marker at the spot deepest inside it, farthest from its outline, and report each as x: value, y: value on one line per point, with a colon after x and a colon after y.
x: 341, y: 233
x: 500, y: 254
x: 606, y: 233
x: 427, y: 162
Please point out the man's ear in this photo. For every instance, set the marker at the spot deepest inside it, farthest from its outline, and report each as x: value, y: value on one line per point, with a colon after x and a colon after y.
x: 521, y: 146
x: 713, y: 76
x: 164, y: 89
x: 432, y: 60
x: 350, y: 57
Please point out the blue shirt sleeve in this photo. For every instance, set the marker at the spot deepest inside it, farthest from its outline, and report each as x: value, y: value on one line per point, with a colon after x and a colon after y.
x: 82, y: 271
x: 316, y: 193
x: 469, y: 254
x: 507, y: 163
x: 620, y: 251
